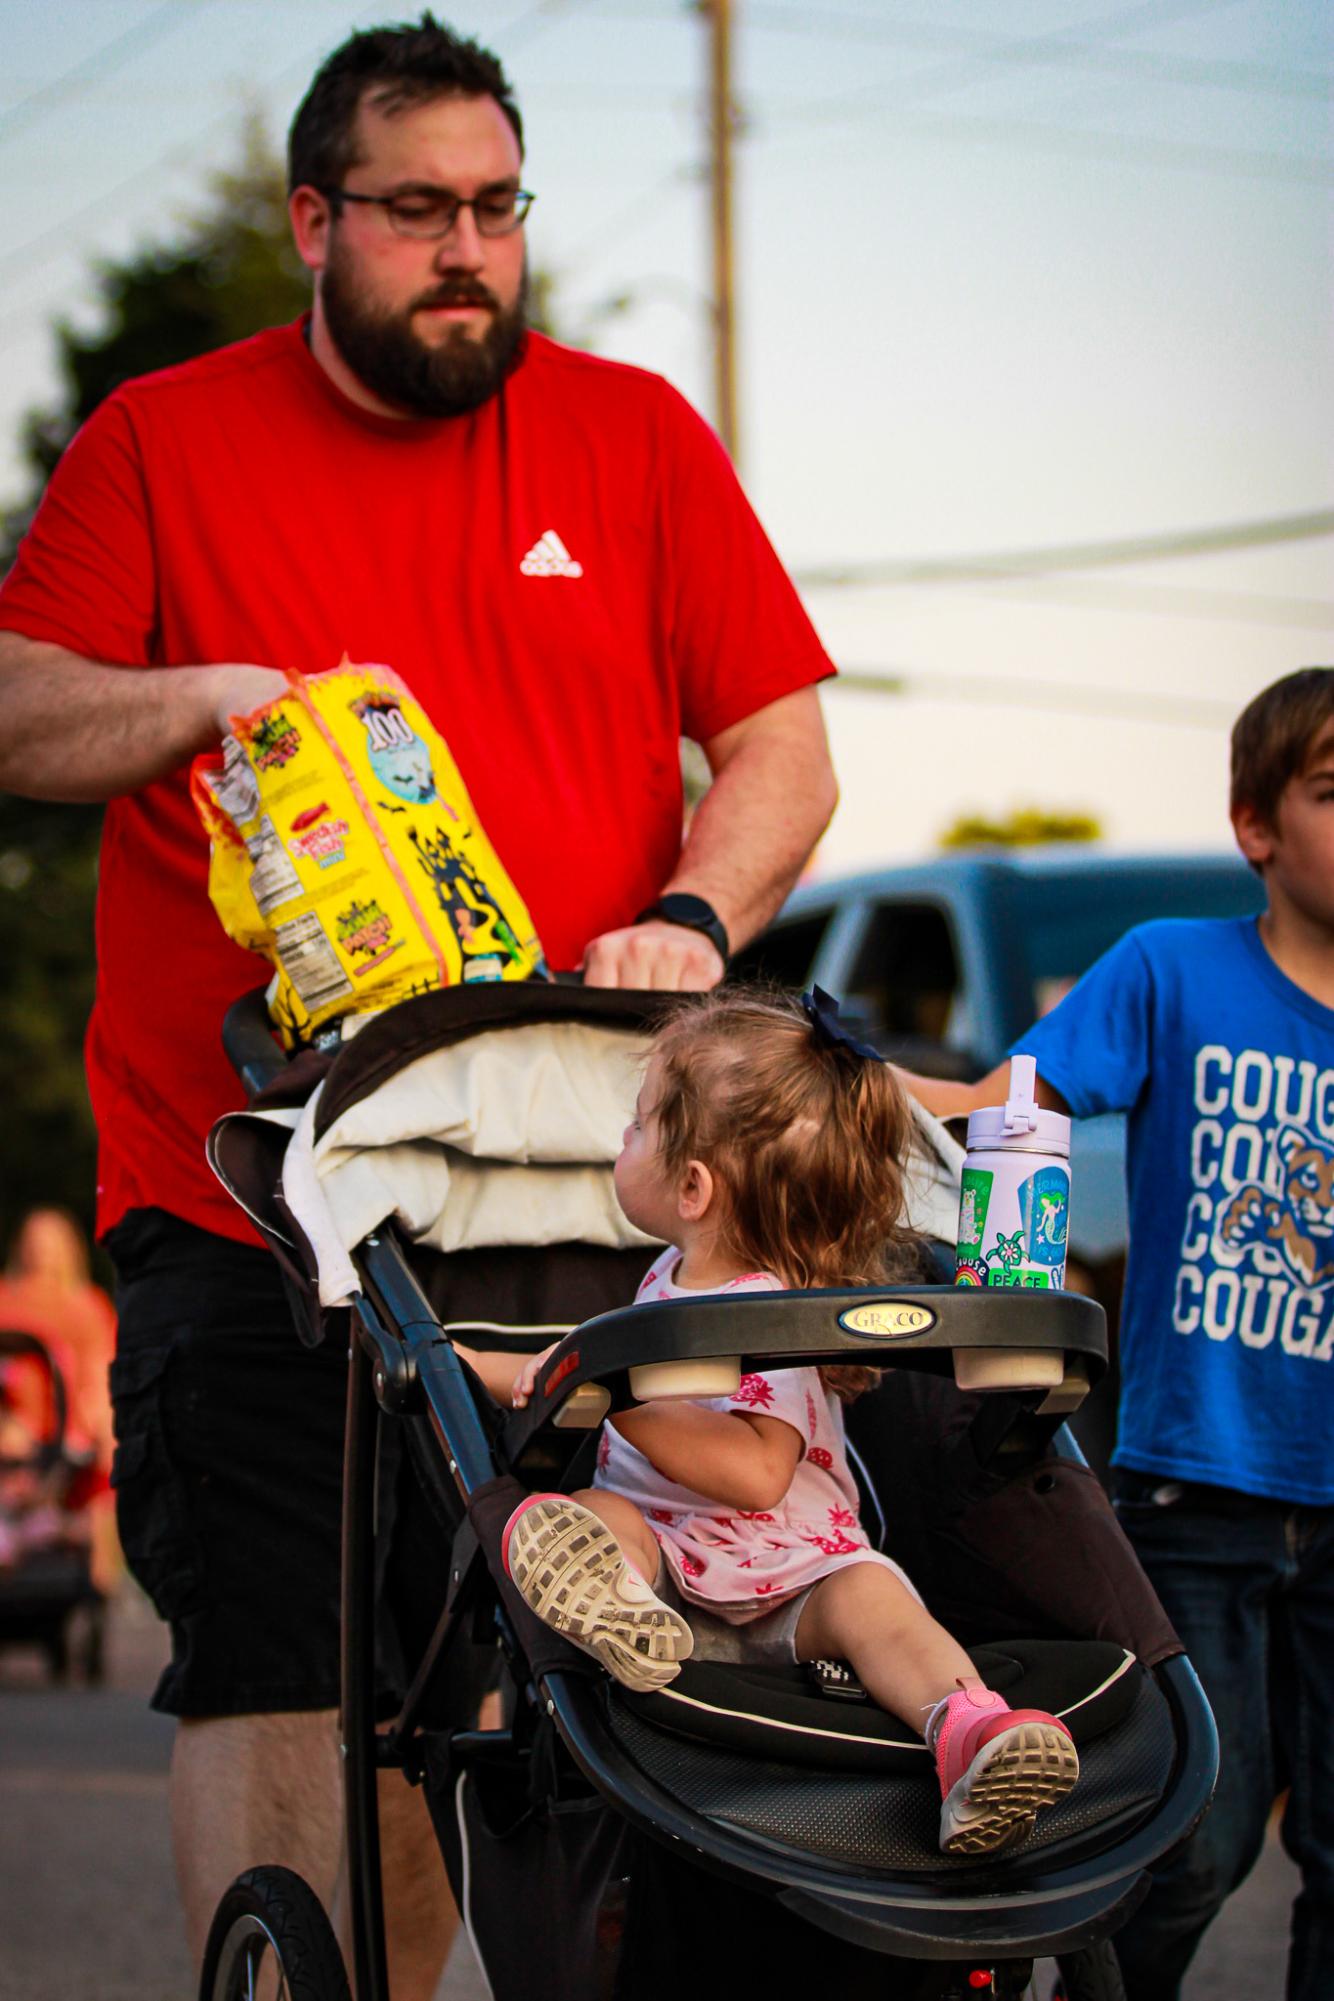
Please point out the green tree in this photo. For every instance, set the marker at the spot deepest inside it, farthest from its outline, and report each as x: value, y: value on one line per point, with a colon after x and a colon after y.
x: 1024, y: 828
x: 226, y: 271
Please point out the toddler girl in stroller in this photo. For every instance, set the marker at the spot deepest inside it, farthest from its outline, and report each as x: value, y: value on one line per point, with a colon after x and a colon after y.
x: 766, y: 1148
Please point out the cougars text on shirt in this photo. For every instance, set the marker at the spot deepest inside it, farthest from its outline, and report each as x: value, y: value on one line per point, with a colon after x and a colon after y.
x: 1257, y: 1250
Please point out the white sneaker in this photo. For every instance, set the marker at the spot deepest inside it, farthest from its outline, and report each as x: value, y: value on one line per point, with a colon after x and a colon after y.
x: 568, y: 1566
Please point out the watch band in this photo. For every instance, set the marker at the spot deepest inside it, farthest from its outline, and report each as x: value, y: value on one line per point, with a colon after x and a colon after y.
x: 692, y: 913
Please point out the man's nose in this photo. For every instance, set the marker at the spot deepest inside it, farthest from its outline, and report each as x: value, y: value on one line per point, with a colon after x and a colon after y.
x: 462, y: 246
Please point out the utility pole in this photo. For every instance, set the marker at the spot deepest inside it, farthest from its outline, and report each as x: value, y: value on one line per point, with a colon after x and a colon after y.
x: 722, y: 124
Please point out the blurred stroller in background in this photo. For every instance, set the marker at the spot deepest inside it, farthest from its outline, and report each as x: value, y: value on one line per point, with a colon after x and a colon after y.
x: 58, y: 1553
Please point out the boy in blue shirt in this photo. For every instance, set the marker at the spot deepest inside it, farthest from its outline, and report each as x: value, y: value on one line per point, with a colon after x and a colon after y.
x: 1217, y: 1038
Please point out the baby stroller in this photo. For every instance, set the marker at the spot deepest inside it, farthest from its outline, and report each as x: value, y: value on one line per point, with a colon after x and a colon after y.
x: 47, y: 1479
x: 605, y: 1844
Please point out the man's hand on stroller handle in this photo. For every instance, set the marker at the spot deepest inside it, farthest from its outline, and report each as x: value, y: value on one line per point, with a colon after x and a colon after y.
x: 654, y: 957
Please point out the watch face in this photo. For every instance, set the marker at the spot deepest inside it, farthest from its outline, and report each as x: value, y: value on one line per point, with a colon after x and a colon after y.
x: 684, y: 909
x: 679, y: 907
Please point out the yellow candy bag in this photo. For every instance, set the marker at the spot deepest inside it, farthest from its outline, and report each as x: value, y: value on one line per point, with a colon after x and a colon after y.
x: 345, y: 848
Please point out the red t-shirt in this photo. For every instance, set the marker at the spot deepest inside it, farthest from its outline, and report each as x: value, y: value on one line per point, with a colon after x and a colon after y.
x: 568, y: 579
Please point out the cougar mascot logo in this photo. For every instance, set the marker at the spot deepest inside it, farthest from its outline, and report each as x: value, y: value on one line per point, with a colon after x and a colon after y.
x: 1298, y: 1222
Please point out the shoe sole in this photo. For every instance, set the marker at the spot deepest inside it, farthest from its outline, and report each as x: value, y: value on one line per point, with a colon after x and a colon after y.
x: 571, y: 1570
x: 994, y: 1805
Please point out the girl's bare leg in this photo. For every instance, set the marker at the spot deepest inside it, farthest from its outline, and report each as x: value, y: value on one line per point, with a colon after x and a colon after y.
x: 628, y: 1526
x: 902, y: 1657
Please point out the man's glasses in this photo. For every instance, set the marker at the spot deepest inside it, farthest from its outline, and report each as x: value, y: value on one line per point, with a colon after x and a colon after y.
x: 433, y: 212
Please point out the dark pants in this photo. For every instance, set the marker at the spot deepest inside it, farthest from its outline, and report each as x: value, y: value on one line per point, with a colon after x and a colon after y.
x: 1249, y: 1586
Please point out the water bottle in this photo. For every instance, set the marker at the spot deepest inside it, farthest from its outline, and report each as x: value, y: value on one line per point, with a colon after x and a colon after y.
x: 1014, y: 1204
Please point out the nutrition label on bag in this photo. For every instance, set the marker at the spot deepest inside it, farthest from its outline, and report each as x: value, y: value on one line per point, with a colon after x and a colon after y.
x: 273, y: 880
x: 310, y: 961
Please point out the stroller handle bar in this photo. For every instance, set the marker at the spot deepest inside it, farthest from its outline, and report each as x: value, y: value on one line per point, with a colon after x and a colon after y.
x: 248, y: 1042
x: 1054, y: 1343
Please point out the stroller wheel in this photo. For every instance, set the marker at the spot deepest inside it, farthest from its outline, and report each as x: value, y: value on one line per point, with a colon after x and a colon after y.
x: 94, y: 1646
x: 1091, y: 1975
x: 271, y: 1919
x: 55, y: 1645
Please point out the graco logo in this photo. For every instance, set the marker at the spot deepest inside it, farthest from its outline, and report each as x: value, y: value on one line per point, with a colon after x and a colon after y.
x: 888, y: 1319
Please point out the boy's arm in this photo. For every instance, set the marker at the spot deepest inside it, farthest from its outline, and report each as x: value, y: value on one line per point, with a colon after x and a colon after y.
x: 948, y: 1099
x: 745, y: 1461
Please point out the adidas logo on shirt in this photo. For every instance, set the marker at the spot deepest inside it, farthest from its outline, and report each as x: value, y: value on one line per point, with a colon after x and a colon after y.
x: 549, y: 557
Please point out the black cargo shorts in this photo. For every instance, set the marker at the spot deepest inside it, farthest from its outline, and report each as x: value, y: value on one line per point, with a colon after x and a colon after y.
x: 227, y: 1470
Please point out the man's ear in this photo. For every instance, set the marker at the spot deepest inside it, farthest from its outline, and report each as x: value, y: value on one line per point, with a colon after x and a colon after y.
x: 696, y: 1193
x: 1255, y: 835
x: 311, y: 218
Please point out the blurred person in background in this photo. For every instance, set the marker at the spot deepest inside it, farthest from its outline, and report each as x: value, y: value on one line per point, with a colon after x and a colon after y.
x: 47, y: 1290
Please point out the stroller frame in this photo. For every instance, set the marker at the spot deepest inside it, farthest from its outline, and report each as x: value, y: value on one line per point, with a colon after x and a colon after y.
x: 403, y: 1366
x: 1057, y: 1908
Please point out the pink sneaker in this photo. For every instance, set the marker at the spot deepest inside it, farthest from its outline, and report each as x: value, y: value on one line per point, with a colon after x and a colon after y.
x: 997, y: 1767
x: 574, y: 1574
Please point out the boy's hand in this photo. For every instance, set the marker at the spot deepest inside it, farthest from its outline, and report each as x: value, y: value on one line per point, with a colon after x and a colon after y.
x: 527, y: 1376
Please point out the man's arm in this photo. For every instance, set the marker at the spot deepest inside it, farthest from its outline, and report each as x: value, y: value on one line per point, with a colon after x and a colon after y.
x: 951, y: 1100
x: 772, y: 795
x: 79, y: 731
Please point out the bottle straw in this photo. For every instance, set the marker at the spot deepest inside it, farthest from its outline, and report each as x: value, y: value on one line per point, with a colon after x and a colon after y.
x: 1021, y: 1110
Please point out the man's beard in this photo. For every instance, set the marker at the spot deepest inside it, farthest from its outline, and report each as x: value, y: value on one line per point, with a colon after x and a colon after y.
x: 384, y: 351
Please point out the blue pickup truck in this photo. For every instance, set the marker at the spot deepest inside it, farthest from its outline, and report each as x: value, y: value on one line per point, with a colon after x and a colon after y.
x: 945, y: 963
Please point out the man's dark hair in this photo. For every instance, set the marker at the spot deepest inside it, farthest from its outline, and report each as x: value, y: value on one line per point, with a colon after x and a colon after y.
x: 1274, y: 736
x: 391, y: 68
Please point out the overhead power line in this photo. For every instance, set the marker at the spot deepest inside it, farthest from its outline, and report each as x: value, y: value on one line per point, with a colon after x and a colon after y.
x: 1004, y: 691
x: 977, y: 51
x: 1070, y: 555
x: 104, y: 61
x: 1064, y: 141
x: 33, y: 255
x: 1266, y: 608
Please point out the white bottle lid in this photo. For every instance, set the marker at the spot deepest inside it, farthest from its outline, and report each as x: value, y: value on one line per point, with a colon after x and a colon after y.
x: 1019, y: 1124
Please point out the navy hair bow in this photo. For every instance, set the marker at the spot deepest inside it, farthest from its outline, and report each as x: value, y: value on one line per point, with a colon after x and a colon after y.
x: 822, y: 1013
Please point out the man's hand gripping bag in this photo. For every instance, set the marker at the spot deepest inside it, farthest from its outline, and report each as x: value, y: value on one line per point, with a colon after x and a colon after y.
x: 344, y: 847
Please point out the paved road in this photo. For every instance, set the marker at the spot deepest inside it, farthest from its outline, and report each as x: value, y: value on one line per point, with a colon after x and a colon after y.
x: 87, y: 1906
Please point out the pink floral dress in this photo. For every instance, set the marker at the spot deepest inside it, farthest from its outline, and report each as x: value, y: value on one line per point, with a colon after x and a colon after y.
x: 743, y: 1565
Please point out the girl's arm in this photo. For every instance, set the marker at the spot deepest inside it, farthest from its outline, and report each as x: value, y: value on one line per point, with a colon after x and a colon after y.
x: 745, y: 1461
x: 509, y: 1378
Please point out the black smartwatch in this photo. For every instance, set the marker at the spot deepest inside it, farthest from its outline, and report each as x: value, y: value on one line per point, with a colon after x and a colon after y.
x: 692, y: 913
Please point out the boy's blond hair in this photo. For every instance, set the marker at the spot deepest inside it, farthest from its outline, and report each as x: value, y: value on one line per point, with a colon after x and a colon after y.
x: 807, y: 1142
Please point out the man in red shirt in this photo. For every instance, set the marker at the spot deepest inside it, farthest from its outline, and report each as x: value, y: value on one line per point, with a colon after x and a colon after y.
x: 554, y: 553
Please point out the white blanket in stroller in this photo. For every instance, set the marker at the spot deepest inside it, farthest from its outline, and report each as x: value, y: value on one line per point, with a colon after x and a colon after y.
x: 509, y: 1138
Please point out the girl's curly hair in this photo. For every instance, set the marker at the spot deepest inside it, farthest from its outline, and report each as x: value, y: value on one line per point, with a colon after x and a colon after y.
x: 807, y: 1142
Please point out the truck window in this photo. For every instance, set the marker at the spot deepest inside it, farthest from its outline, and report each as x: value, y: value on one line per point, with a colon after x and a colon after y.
x: 784, y: 954
x: 1067, y: 921
x: 905, y: 984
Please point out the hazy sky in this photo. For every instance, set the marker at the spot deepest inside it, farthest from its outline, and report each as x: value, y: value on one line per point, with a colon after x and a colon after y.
x: 1013, y: 277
